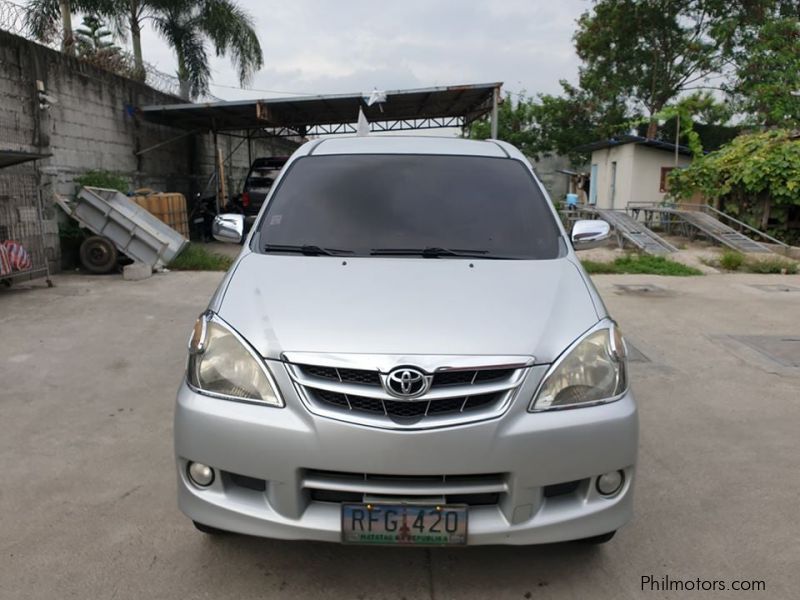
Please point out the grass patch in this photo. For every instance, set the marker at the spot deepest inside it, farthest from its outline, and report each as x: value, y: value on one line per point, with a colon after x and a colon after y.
x: 730, y: 260
x: 770, y: 265
x: 595, y: 267
x: 644, y: 264
x: 196, y: 258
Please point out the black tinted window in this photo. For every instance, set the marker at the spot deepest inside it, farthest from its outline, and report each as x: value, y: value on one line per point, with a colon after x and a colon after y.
x: 367, y: 202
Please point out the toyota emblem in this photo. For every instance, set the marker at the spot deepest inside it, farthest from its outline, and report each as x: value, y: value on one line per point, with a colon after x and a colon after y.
x: 407, y: 382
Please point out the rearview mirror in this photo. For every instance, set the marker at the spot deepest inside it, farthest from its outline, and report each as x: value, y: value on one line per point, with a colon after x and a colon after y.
x: 590, y: 234
x: 228, y: 227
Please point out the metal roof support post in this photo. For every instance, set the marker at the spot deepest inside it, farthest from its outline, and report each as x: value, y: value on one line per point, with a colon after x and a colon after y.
x: 495, y: 93
x: 216, y: 169
x: 249, y: 149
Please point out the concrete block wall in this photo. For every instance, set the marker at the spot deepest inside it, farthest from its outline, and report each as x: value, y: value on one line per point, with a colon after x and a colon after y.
x: 556, y: 183
x: 95, y: 124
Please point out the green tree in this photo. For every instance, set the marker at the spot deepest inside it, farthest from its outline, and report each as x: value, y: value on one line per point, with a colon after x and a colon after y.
x: 686, y: 112
x: 515, y: 124
x: 94, y: 44
x: 549, y: 124
x: 191, y: 29
x: 93, y: 36
x: 647, y: 51
x: 576, y: 118
x: 766, y: 84
x: 43, y: 18
x: 755, y: 177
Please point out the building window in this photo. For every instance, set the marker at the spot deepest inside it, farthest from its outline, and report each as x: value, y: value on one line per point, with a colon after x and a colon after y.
x: 664, y: 184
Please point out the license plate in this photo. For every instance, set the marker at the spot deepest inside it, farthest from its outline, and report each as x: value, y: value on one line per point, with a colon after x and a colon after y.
x: 404, y: 524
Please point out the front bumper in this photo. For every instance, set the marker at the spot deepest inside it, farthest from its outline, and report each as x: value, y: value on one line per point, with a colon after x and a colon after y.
x: 281, y: 446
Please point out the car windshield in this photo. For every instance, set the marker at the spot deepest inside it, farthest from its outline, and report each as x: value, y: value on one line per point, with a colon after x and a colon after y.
x: 392, y: 205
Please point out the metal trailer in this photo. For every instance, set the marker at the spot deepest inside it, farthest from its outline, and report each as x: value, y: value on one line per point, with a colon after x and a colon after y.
x: 21, y: 219
x: 117, y: 220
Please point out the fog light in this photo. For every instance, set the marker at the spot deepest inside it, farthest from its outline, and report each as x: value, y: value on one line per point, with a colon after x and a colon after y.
x: 610, y: 483
x: 201, y: 474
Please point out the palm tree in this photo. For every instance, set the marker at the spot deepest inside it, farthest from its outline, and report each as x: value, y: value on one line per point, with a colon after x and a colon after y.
x: 43, y: 16
x: 189, y: 27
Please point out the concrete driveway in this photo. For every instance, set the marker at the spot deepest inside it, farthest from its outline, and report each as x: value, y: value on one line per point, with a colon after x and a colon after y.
x: 87, y: 493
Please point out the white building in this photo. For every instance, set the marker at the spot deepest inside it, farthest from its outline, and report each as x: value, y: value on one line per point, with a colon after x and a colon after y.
x: 630, y: 168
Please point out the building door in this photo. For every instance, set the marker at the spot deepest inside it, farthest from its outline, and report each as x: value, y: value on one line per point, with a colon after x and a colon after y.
x: 593, y: 186
x: 612, y: 191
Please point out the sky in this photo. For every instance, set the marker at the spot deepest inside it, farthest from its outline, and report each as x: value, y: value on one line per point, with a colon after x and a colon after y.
x: 352, y: 46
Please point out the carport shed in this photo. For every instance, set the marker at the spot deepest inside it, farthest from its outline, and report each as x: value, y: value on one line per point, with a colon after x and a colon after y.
x: 402, y: 110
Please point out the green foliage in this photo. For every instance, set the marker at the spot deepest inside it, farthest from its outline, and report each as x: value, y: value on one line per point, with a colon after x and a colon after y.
x: 759, y: 40
x: 196, y: 258
x: 646, y: 51
x: 190, y: 28
x: 730, y: 260
x: 94, y: 45
x: 770, y: 265
x: 751, y: 165
x: 103, y: 179
x: 699, y: 105
x: 516, y: 125
x: 550, y: 124
x: 640, y: 264
x: 736, y: 261
x: 70, y: 230
x: 93, y: 36
x: 769, y: 72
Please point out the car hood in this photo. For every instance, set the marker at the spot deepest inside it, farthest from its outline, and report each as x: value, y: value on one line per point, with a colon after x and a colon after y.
x: 403, y: 306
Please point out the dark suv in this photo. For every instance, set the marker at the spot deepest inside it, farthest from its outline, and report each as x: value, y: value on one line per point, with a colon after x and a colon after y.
x: 257, y: 184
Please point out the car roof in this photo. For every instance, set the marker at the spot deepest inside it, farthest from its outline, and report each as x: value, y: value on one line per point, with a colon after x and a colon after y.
x: 406, y: 144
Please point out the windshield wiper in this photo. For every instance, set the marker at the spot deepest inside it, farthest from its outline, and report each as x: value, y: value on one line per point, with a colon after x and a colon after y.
x: 432, y: 252
x: 307, y: 249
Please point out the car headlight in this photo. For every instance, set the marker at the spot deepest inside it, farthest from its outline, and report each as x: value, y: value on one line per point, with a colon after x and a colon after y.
x: 592, y: 371
x: 222, y: 364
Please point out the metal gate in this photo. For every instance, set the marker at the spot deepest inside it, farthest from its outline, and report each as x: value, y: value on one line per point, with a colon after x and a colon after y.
x: 22, y: 256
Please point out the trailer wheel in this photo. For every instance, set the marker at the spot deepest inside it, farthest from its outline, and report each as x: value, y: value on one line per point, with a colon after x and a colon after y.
x: 98, y: 254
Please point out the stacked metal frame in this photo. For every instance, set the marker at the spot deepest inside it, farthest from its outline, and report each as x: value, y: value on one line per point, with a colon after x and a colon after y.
x: 22, y: 244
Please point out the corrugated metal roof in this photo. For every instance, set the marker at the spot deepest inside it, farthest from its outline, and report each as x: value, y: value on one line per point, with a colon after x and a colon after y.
x: 10, y: 158
x: 633, y: 139
x: 451, y: 106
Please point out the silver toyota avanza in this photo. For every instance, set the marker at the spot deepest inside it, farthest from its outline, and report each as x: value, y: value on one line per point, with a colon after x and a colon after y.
x: 407, y: 351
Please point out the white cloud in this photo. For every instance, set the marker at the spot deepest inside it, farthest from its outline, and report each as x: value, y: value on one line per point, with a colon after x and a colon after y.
x: 315, y: 46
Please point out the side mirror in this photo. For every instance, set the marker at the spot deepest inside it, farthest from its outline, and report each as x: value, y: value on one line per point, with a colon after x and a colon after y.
x: 590, y: 234
x: 228, y: 227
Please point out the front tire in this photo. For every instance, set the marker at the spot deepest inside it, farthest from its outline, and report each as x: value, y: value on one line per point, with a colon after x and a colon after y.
x: 207, y: 529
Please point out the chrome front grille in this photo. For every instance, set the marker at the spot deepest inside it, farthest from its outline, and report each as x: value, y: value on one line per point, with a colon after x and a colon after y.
x: 404, y: 408
x: 476, y: 388
x: 338, y: 487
